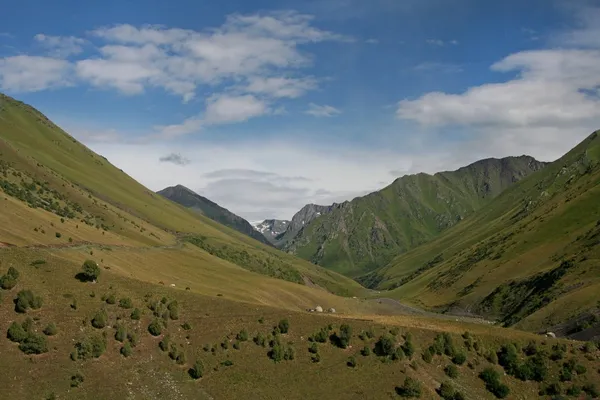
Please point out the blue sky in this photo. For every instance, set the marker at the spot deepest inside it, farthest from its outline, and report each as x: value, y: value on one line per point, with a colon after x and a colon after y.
x: 264, y: 106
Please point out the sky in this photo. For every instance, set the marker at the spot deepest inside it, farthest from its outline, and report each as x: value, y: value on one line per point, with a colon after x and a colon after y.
x: 264, y: 106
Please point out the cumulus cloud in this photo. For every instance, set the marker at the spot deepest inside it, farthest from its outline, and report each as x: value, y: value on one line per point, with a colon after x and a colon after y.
x: 60, y: 46
x: 175, y: 158
x: 322, y: 110
x: 227, y: 108
x: 281, y: 86
x: 32, y: 73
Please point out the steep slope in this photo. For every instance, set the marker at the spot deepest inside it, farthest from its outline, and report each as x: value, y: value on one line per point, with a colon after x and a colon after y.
x: 58, y: 192
x: 531, y: 257
x: 356, y: 237
x: 271, y: 229
x: 189, y: 199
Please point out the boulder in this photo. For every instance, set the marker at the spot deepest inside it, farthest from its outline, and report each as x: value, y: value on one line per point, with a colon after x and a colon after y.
x: 332, y: 310
x: 319, y: 309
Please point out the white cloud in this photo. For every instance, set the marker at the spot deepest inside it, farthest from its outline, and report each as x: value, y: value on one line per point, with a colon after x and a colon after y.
x: 441, y: 43
x: 280, y: 86
x: 33, y: 73
x: 587, y: 33
x: 61, y: 46
x: 446, y: 68
x: 322, y: 110
x: 227, y: 108
x: 175, y: 158
x: 190, y: 125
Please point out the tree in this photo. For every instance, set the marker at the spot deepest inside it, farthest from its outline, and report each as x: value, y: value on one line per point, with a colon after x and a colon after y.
x: 410, y: 388
x: 385, y: 346
x: 91, y: 270
x: 344, y: 335
x: 197, y: 370
x: 459, y: 358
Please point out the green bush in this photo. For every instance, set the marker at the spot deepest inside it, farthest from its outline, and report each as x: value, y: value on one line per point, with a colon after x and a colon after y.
x: 316, y: 358
x: 459, y: 358
x: 313, y: 348
x: 260, y: 339
x: 531, y: 348
x: 136, y: 314
x: 16, y: 332
x: 508, y: 358
x: 155, y: 328
x: 447, y: 392
x: 227, y: 363
x: 34, y: 344
x: 491, y: 377
x: 242, y: 336
x: 351, y: 362
x: 90, y: 270
x: 197, y: 370
x: 580, y: 369
x: 277, y: 352
x: 133, y: 338
x: 90, y: 347
x: 236, y: 345
x: 398, y: 354
x: 121, y: 333
x: 574, y: 391
x: 186, y: 326
x: 50, y: 329
x: 100, y: 320
x: 13, y: 273
x: 408, y: 348
x: 366, y: 351
x: 591, y: 390
x: 111, y: 299
x: 126, y: 350
x: 321, y: 336
x: 427, y: 356
x: 126, y: 303
x: 289, y: 353
x: 551, y: 389
x: 410, y: 388
x: 76, y: 380
x: 394, y: 331
x: 7, y: 282
x: 173, y: 309
x: 25, y: 300
x: 385, y: 346
x: 451, y: 370
x: 164, y: 343
x: 284, y: 326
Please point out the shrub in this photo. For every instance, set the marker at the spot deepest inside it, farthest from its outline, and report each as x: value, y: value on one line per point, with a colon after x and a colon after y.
x: 508, y: 358
x: 313, y: 348
x: 7, y: 282
x: 398, y: 354
x: 451, y: 370
x: 260, y: 339
x: 277, y: 352
x: 316, y: 358
x: 351, y: 362
x: 13, y: 273
x: 242, y: 336
x: 321, y: 336
x: 51, y: 329
x: 427, y: 356
x: 197, y: 370
x: 136, y: 314
x: 25, y: 300
x: 34, y: 344
x: 385, y: 346
x: 284, y: 326
x: 408, y: 347
x: 111, y: 299
x: 227, y: 363
x: 492, y: 357
x: 173, y: 308
x: 236, y: 345
x: 574, y: 391
x: 186, y: 326
x: 531, y: 348
x: 76, y: 380
x: 394, y: 331
x: 164, y: 343
x: 447, y: 392
x: 126, y: 350
x: 126, y: 303
x: 551, y: 389
x: 410, y: 388
x: 121, y: 333
x: 133, y: 338
x: 580, y: 369
x: 93, y: 346
x: 534, y: 368
x: 100, y: 319
x: 155, y: 328
x: 366, y: 351
x: 261, y: 320
x: 491, y: 377
x: 289, y: 353
x: 90, y: 270
x: 16, y: 332
x: 589, y: 347
x: 591, y: 390
x: 342, y: 339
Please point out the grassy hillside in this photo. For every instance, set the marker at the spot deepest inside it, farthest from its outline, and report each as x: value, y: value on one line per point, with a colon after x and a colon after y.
x: 530, y: 258
x: 57, y: 192
x: 359, y: 236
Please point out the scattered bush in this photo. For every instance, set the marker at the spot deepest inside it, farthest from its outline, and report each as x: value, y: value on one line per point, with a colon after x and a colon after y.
x: 155, y: 328
x: 126, y: 303
x: 284, y: 326
x: 427, y: 356
x: 111, y: 299
x: 410, y: 388
x: 242, y: 336
x: 277, y: 352
x: 133, y: 338
x: 186, y: 326
x: 197, y: 370
x: 173, y: 309
x: 408, y: 348
x: 531, y: 348
x: 93, y: 346
x: 76, y: 380
x: 447, y: 392
x: 16, y: 332
x: 385, y: 346
x: 289, y: 353
x: 580, y: 369
x: 591, y: 390
x: 50, y: 329
x: 451, y: 370
x: 342, y: 338
x: 25, y: 300
x: 227, y: 363
x: 121, y: 333
x: 492, y: 357
x: 236, y: 345
x: 508, y: 358
x: 366, y: 351
x: 13, y: 273
x: 313, y: 348
x: 136, y: 314
x: 491, y: 377
x: 316, y: 358
x: 260, y: 339
x: 164, y: 343
x: 351, y: 362
x: 100, y: 320
x: 126, y: 350
x: 90, y: 270
x: 574, y: 391
x: 7, y: 282
x: 394, y: 331
x: 321, y: 336
x: 34, y: 344
x: 552, y: 389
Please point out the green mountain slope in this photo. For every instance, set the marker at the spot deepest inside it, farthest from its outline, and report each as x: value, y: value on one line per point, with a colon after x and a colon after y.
x: 189, y: 199
x: 530, y: 258
x: 367, y: 232
x: 47, y: 174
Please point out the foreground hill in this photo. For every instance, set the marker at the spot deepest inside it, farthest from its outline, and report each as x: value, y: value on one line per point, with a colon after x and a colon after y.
x: 358, y: 236
x: 531, y: 257
x: 189, y: 199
